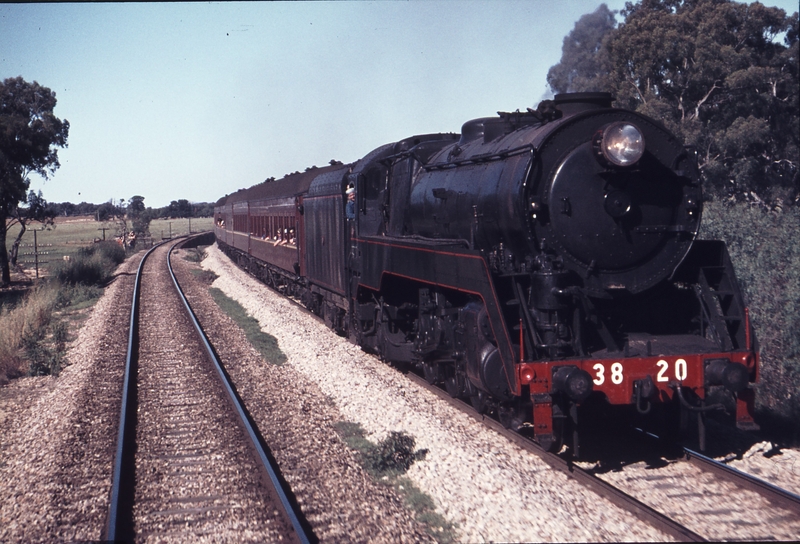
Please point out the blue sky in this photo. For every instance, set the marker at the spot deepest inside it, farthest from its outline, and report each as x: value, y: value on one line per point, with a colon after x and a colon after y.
x: 196, y: 100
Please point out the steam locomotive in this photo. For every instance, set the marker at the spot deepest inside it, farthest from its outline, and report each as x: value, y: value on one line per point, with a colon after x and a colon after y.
x: 539, y: 264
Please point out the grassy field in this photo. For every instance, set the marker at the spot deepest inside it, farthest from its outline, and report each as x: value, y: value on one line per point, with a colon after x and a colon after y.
x: 72, y: 233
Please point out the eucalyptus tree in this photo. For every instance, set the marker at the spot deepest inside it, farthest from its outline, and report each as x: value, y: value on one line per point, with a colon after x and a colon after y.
x: 29, y: 137
x: 721, y: 74
x: 139, y: 216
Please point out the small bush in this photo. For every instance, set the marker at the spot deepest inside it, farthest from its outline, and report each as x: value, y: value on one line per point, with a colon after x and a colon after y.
x: 92, y: 265
x: 194, y: 255
x: 82, y: 269
x: 391, y: 456
x: 386, y: 461
x: 44, y: 359
x: 109, y: 250
x: 204, y: 276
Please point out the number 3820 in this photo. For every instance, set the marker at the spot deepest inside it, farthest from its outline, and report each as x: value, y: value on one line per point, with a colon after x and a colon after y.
x: 680, y: 369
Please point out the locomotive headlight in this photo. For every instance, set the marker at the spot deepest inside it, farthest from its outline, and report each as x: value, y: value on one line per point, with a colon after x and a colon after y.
x: 621, y: 144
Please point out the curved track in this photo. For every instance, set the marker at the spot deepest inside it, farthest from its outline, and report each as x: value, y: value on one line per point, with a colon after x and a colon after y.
x: 729, y: 504
x: 615, y: 495
x: 780, y: 497
x: 189, y: 463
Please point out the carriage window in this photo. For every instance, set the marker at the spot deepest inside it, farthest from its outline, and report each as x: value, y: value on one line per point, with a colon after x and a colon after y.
x: 240, y: 222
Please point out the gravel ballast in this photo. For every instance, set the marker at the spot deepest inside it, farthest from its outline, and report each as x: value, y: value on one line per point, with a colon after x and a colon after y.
x: 297, y: 421
x: 57, y: 436
x: 490, y: 488
x: 57, y: 451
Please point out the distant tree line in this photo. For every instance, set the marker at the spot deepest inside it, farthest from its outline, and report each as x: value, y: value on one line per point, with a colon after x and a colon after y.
x: 110, y: 210
x: 133, y: 217
x: 722, y: 75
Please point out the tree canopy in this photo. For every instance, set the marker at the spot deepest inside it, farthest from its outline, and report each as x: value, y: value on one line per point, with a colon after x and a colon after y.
x: 180, y: 208
x: 721, y: 74
x: 29, y: 137
x: 139, y: 215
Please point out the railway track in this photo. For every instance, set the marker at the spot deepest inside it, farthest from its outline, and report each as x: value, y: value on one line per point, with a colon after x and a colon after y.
x: 780, y: 504
x: 731, y: 496
x: 189, y: 463
x: 781, y: 498
x: 731, y: 511
x: 778, y: 496
x: 615, y: 495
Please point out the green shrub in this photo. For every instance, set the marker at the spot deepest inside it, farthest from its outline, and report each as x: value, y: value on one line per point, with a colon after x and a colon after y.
x: 45, y: 359
x: 194, y: 255
x: 394, y: 454
x: 386, y: 461
x: 391, y: 456
x: 82, y: 269
x: 763, y: 247
x: 110, y: 250
x: 204, y: 276
x: 91, y: 265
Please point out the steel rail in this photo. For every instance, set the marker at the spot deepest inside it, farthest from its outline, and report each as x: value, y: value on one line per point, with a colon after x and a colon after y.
x: 289, y: 511
x: 599, y: 486
x: 112, y: 530
x: 121, y: 488
x: 776, y: 495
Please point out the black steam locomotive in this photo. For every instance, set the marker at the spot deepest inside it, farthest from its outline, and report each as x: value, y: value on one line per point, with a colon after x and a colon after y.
x: 538, y: 262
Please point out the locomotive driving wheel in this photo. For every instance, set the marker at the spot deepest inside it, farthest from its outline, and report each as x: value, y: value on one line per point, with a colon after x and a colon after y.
x: 455, y: 382
x: 511, y: 415
x: 432, y: 372
x: 478, y: 399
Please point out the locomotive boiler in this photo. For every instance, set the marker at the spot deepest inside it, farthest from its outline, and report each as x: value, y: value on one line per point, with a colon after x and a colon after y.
x: 537, y: 263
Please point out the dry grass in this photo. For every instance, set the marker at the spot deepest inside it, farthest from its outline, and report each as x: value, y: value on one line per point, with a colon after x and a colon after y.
x: 22, y: 325
x: 35, y: 327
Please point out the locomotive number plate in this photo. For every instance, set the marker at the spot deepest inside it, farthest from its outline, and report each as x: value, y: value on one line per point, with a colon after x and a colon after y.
x: 616, y: 372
